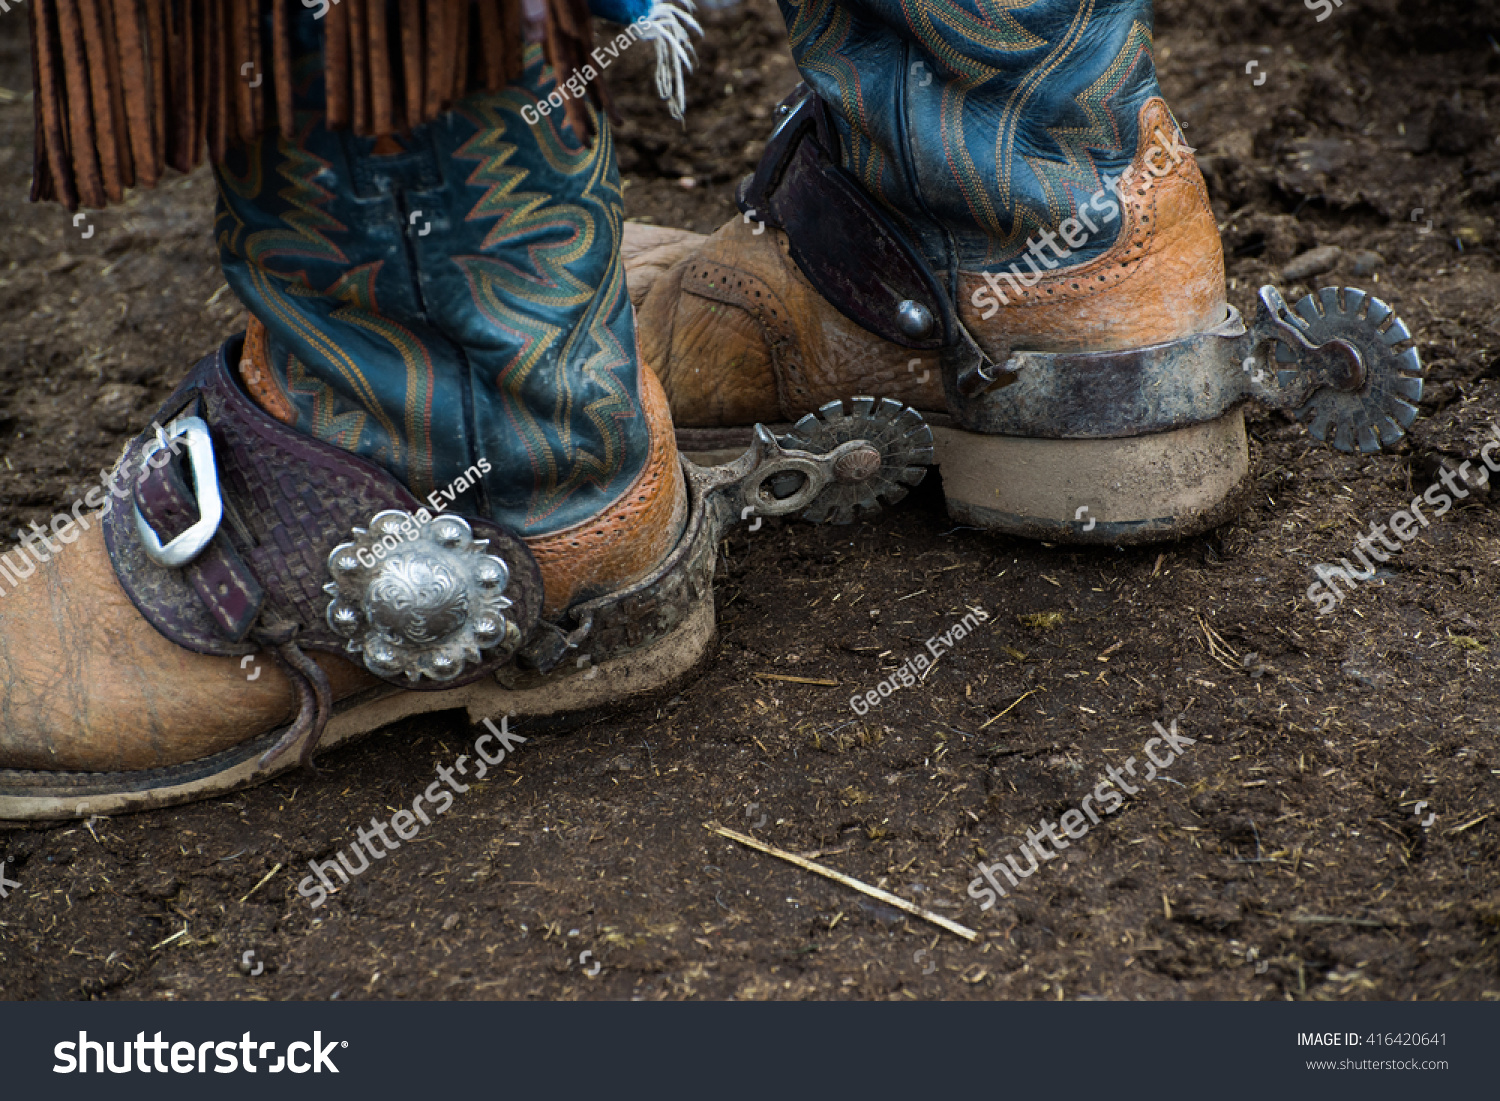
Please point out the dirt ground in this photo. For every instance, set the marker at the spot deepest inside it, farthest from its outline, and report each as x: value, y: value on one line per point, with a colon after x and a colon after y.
x: 1330, y: 834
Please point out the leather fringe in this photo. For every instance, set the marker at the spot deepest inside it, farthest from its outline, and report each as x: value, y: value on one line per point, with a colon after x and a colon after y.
x: 127, y: 88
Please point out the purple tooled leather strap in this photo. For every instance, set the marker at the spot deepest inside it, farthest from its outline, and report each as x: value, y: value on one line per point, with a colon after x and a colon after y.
x: 288, y: 501
x: 222, y: 581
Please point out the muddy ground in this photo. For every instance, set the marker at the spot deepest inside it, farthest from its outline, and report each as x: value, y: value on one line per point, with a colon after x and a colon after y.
x: 1330, y: 834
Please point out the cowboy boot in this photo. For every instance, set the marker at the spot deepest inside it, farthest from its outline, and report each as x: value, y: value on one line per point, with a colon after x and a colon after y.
x: 433, y: 476
x: 1003, y: 183
x: 995, y: 218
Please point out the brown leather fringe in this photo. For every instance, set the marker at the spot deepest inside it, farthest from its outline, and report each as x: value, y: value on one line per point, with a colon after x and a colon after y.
x: 132, y: 25
x: 155, y: 46
x: 181, y: 66
x: 50, y: 177
x: 382, y: 94
x: 359, y: 64
x: 126, y: 88
x: 85, y: 154
x: 336, y: 66
x: 281, y: 68
x: 219, y: 87
x: 411, y: 56
x: 439, y: 78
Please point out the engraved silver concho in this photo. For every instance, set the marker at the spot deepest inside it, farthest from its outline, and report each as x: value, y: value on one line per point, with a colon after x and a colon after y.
x: 420, y: 599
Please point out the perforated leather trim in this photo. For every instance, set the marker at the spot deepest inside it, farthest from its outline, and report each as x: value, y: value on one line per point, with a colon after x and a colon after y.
x: 625, y: 541
x: 259, y: 379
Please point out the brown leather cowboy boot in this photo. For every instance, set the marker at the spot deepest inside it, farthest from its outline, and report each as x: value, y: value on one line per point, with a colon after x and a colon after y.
x: 996, y: 220
x: 740, y: 302
x: 1032, y: 168
x: 109, y: 709
x: 434, y: 477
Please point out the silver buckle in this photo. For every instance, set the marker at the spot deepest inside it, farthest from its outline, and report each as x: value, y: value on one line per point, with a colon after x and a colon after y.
x: 187, y: 546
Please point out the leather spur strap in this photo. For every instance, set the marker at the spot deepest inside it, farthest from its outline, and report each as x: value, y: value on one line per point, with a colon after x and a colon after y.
x: 852, y: 253
x: 843, y: 242
x: 283, y: 502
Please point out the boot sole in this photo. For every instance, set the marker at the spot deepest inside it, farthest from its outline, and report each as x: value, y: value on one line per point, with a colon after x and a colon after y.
x: 621, y: 681
x: 1137, y: 489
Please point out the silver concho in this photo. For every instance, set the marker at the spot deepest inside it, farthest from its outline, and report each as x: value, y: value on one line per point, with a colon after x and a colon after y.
x: 420, y: 599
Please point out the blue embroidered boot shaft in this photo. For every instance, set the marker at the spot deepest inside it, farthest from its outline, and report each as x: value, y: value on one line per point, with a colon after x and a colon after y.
x: 979, y: 128
x: 446, y: 296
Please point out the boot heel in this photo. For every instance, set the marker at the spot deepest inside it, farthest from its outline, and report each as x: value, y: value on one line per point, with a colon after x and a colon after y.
x: 1139, y: 489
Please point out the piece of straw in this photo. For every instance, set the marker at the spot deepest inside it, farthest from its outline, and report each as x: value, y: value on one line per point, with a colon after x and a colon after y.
x: 839, y: 877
